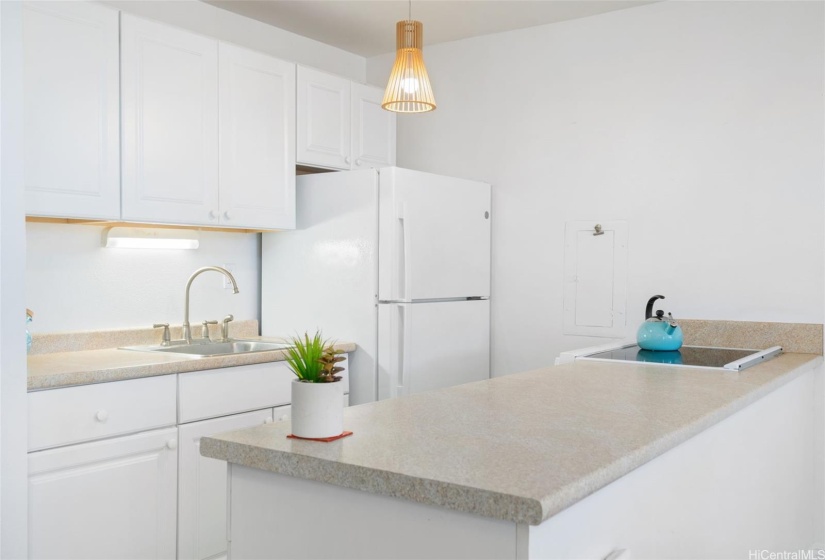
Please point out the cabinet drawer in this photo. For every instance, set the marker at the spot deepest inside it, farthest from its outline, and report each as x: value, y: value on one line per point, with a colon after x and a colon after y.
x: 73, y: 414
x: 221, y: 392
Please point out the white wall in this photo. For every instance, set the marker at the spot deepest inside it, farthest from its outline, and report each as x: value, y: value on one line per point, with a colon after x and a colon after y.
x: 73, y: 283
x: 13, y: 412
x: 700, y: 123
x: 227, y: 26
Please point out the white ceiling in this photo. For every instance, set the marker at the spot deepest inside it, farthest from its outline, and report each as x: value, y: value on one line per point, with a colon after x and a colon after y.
x: 367, y: 27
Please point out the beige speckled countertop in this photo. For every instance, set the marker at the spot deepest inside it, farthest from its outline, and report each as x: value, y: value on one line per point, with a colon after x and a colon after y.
x: 521, y: 447
x: 65, y: 369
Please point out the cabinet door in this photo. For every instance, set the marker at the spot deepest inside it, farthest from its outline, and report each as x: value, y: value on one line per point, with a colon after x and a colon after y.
x: 170, y: 124
x: 257, y: 140
x: 373, y: 129
x: 108, y: 499
x: 71, y: 110
x: 202, y: 487
x: 283, y: 413
x: 323, y: 119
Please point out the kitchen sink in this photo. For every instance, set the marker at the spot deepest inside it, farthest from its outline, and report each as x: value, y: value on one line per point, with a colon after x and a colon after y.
x: 203, y: 349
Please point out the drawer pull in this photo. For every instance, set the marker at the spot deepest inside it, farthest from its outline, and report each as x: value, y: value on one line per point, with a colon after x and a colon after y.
x: 283, y: 417
x: 268, y: 421
x: 101, y: 416
x: 172, y: 444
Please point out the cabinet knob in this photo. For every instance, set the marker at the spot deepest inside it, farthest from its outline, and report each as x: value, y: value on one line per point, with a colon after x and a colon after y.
x: 346, y: 159
x: 358, y: 162
x: 227, y: 215
x: 213, y: 215
x: 172, y: 444
x: 101, y: 416
x: 283, y: 417
x: 268, y: 420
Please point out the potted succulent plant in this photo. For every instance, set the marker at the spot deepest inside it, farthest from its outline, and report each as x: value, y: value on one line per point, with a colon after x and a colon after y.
x: 317, y: 394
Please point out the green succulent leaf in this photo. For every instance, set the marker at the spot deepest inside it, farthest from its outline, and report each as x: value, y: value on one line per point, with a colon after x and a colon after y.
x: 313, y: 359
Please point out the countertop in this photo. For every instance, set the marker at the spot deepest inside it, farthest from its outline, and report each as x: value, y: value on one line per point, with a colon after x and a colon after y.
x: 66, y: 369
x: 521, y: 447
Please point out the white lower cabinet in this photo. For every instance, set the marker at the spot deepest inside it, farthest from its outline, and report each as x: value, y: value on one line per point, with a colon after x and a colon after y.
x: 141, y: 489
x: 109, y: 499
x: 202, y: 485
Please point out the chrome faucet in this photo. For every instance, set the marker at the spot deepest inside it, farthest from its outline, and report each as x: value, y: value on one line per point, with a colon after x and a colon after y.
x: 187, y: 331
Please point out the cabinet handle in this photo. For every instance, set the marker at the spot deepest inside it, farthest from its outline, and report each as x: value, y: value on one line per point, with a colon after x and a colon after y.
x: 346, y: 159
x: 213, y: 215
x: 172, y: 444
x: 101, y: 416
x: 268, y: 421
x: 227, y: 216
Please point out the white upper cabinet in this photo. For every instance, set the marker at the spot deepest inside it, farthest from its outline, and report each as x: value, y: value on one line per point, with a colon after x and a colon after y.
x: 323, y: 119
x: 170, y: 124
x: 341, y: 124
x: 373, y: 129
x: 71, y: 110
x: 257, y: 140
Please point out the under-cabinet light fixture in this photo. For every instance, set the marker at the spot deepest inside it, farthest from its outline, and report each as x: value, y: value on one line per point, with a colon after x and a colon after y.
x: 150, y: 238
x: 408, y: 89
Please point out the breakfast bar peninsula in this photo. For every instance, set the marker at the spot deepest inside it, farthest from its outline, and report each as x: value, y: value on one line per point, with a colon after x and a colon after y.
x: 585, y: 460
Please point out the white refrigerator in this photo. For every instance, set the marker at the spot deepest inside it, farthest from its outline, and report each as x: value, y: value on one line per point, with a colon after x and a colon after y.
x: 397, y: 261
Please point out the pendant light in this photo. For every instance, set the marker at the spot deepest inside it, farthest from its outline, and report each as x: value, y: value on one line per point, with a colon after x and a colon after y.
x: 409, y: 89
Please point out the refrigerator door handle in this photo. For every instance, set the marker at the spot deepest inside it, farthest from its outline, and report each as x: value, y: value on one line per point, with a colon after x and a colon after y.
x: 403, y: 348
x: 405, y: 262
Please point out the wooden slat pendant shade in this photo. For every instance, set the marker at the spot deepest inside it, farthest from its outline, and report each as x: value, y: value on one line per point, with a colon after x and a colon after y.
x: 409, y: 89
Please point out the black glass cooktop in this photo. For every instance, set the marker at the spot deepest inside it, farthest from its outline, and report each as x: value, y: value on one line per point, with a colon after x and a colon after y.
x: 697, y: 356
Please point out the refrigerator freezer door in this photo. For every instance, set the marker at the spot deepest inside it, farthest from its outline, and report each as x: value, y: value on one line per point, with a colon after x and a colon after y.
x: 424, y: 346
x: 434, y: 237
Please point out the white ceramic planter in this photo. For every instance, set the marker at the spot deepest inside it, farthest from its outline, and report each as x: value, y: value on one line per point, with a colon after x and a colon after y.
x: 317, y: 409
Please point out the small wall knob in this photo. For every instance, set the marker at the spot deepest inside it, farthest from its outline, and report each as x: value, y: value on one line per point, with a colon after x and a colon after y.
x: 101, y: 416
x: 172, y: 444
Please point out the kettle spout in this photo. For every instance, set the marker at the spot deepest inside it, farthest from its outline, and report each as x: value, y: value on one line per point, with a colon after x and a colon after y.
x: 671, y: 324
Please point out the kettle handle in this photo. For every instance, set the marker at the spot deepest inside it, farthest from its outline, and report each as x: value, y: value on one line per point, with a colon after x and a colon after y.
x: 649, y: 308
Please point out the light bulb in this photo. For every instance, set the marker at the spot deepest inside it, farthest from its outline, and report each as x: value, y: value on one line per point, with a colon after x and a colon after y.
x: 409, y: 85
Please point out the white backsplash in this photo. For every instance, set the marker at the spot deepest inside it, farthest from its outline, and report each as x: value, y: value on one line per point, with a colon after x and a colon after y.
x: 74, y: 284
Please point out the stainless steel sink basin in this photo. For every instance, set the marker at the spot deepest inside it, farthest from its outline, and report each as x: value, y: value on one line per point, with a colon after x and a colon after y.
x: 203, y: 349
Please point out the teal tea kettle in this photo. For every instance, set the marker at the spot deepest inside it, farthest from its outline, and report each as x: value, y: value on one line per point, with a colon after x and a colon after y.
x: 659, y: 333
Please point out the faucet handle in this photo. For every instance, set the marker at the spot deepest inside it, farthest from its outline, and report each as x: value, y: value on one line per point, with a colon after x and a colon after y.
x: 166, y: 338
x: 205, y: 329
x: 225, y: 327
